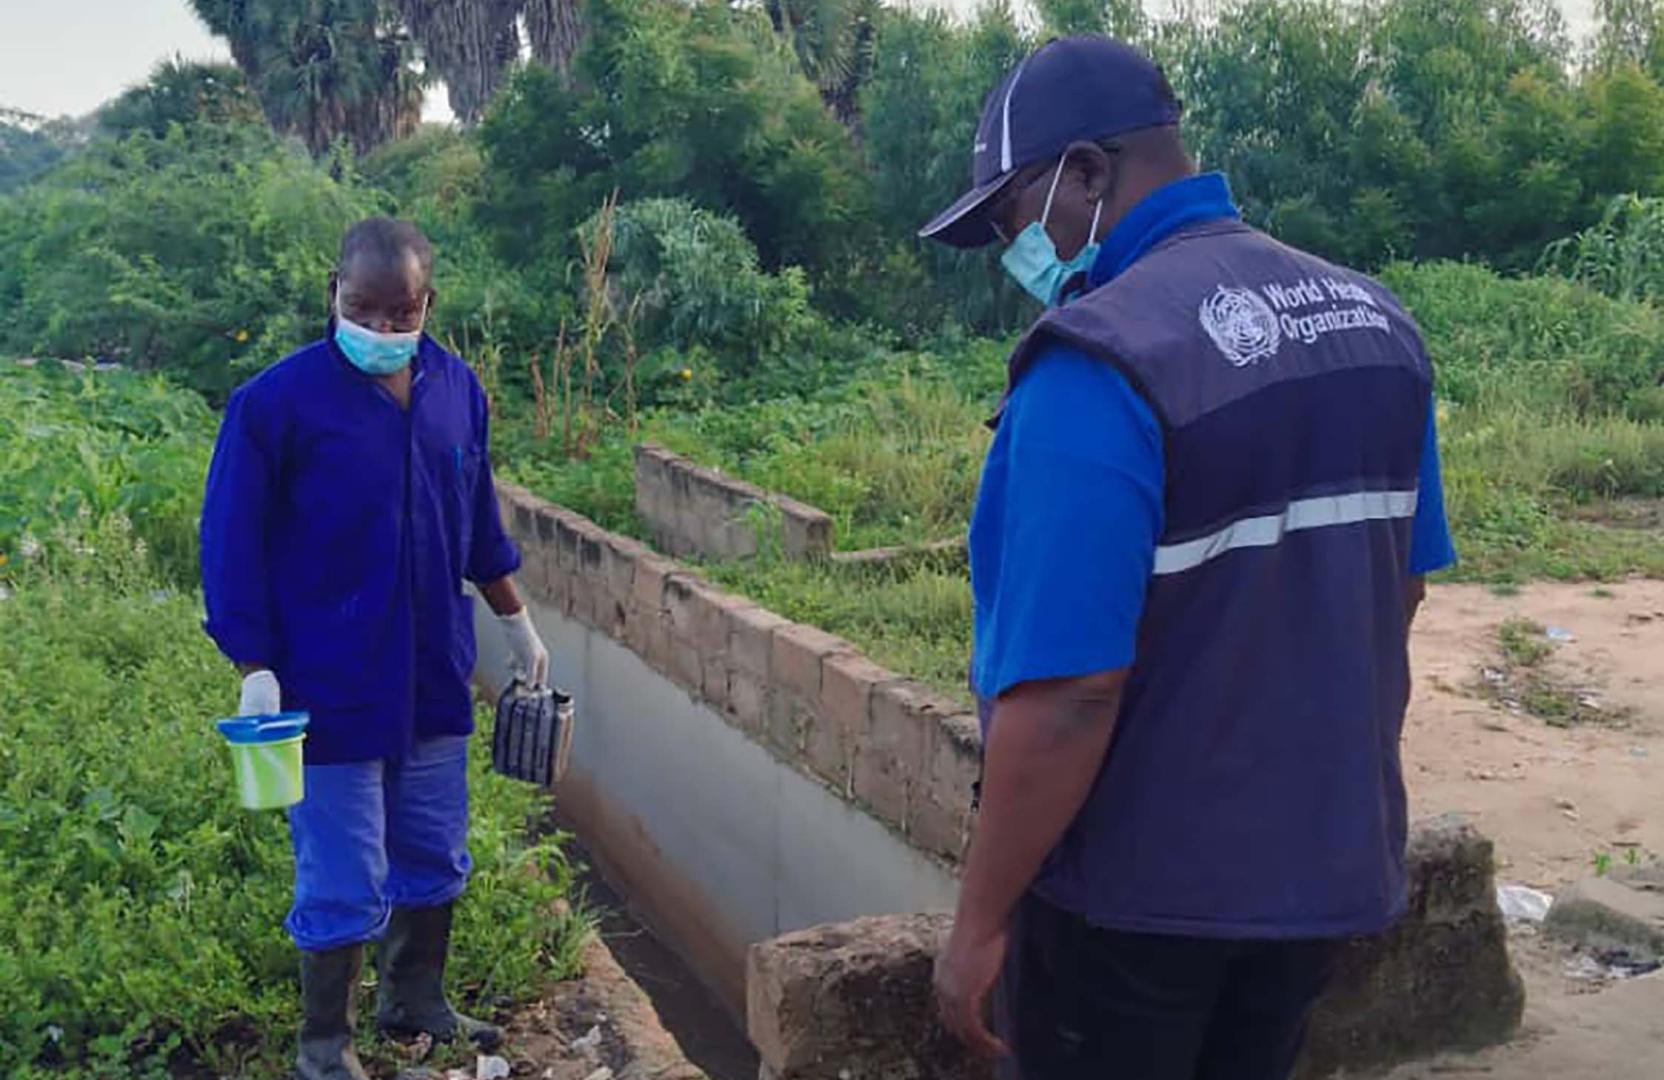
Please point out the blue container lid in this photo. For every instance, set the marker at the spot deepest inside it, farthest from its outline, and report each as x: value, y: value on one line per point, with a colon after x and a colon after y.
x: 244, y: 730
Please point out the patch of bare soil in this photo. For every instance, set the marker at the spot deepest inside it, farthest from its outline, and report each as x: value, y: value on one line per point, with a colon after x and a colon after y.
x: 1540, y: 715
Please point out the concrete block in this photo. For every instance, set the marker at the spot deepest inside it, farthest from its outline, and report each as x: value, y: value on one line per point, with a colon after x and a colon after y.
x: 853, y: 1001
x: 533, y: 574
x: 638, y: 628
x: 939, y: 807
x: 747, y: 701
x: 581, y: 598
x: 648, y: 585
x: 737, y: 539
x: 612, y: 617
x: 681, y: 606
x: 847, y: 682
x: 546, y: 517
x: 713, y: 681
x: 716, y: 621
x: 1603, y: 913
x: 524, y: 522
x: 890, y: 751
x: 620, y: 558
x: 653, y: 632
x: 806, y: 531
x: 787, y: 721
x: 827, y: 755
x: 557, y: 583
x: 591, y: 552
x: 652, y: 486
x: 796, y: 654
x: 683, y: 664
x: 505, y: 505
x: 567, y: 541
x: 750, y: 638
x: 1439, y: 980
x: 693, y: 510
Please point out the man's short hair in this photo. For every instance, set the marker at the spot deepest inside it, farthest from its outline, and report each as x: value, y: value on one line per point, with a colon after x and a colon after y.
x: 384, y: 241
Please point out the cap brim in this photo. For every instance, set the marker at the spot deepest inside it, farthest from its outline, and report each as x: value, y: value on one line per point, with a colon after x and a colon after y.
x: 965, y: 224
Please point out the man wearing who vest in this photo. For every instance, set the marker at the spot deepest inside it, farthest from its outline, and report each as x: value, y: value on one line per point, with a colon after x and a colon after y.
x: 1201, y: 535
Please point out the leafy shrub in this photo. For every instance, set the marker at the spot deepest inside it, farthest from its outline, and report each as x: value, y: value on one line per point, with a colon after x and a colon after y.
x: 1621, y: 255
x: 694, y: 100
x: 698, y: 284
x: 204, y: 252
x: 1550, y: 345
x: 102, y: 444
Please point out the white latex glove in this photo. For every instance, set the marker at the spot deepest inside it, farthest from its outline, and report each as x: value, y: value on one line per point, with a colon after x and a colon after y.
x: 261, y: 696
x: 530, y: 660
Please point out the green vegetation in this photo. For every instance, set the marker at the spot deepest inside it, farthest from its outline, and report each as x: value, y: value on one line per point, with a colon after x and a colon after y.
x: 1523, y: 642
x: 140, y: 909
x: 1524, y: 681
x: 78, y: 447
x: 1546, y: 424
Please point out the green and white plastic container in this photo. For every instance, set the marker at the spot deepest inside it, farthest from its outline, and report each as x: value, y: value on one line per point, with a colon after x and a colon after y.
x: 266, y: 758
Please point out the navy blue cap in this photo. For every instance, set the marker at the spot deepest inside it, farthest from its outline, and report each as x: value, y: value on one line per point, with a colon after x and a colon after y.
x: 1070, y: 89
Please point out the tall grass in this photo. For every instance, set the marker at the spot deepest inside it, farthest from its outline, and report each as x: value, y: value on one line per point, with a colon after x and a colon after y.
x: 1547, y: 392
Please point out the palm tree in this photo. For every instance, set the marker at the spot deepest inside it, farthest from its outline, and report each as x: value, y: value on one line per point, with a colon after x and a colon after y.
x: 468, y: 43
x: 324, y: 69
x: 833, y: 40
x: 556, y: 29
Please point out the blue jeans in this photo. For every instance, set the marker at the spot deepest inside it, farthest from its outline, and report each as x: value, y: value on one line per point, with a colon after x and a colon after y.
x: 374, y: 835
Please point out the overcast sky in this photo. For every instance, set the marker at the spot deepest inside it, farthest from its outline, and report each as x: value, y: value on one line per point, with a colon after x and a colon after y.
x: 69, y: 56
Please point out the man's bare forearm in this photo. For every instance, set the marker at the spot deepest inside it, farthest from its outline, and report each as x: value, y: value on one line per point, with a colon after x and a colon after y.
x: 1045, y: 749
x: 1415, y: 591
x: 502, y: 596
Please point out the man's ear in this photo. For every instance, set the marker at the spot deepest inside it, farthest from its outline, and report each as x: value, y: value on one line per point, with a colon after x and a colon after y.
x: 1097, y: 169
x: 334, y: 287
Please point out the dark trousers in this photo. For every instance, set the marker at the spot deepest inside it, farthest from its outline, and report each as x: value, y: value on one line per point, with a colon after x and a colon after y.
x: 1077, y: 1002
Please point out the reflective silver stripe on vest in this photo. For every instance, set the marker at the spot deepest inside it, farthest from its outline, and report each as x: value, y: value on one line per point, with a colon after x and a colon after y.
x: 1266, y: 531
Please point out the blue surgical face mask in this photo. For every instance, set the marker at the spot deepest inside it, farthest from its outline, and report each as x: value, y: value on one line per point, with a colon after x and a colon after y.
x: 1032, y: 260
x: 372, y: 352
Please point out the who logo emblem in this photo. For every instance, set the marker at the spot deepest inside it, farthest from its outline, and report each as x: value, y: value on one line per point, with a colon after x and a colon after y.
x: 1242, y: 324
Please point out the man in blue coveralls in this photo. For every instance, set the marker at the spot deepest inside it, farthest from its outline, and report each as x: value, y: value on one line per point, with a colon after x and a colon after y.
x: 349, y: 499
x: 1211, y: 496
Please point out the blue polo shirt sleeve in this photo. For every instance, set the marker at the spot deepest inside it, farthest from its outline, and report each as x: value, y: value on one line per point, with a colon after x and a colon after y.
x: 1430, y: 545
x: 1064, y: 533
x: 236, y: 504
x: 491, y: 554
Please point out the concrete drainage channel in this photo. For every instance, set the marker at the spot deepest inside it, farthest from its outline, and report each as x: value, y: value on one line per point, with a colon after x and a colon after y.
x: 713, y: 1039
x: 777, y: 810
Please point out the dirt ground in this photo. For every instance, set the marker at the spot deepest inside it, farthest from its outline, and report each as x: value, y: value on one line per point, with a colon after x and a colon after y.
x: 1554, y: 799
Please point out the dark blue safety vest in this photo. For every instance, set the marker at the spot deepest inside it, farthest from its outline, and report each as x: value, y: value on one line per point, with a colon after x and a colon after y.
x: 1253, y: 787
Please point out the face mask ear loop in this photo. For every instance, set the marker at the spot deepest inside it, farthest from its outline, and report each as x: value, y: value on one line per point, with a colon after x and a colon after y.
x: 1092, y: 236
x: 1056, y: 176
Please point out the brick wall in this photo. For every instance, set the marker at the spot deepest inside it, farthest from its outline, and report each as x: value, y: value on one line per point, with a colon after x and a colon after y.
x: 692, y: 510
x: 890, y: 745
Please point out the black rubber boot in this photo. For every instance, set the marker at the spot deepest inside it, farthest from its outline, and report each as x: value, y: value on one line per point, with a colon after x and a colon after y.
x: 411, y: 998
x: 328, y: 991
